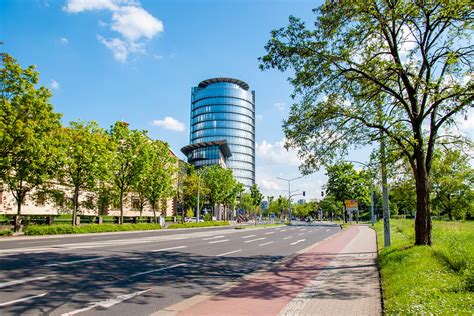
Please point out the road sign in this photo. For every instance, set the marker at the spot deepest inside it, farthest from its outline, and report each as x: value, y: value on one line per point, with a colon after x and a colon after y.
x: 351, y: 205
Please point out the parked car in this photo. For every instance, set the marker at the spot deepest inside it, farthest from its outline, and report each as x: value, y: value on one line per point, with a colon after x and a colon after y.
x: 193, y: 220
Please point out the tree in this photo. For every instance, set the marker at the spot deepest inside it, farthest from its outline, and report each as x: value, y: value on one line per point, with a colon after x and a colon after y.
x: 28, y: 131
x: 159, y: 173
x: 190, y: 189
x: 257, y: 198
x: 126, y: 163
x: 219, y: 181
x: 278, y: 206
x: 396, y: 69
x: 345, y: 183
x: 453, y: 184
x: 230, y: 199
x: 331, y: 205
x: 84, y: 150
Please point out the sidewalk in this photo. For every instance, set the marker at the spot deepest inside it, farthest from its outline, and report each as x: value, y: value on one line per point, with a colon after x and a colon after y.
x: 335, y: 277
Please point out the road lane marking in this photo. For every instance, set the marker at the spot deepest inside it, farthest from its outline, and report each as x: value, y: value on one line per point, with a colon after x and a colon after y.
x: 216, y: 241
x: 252, y: 240
x: 15, y: 282
x: 228, y: 253
x: 269, y: 233
x: 106, y: 303
x: 215, y: 237
x: 283, y: 230
x: 300, y: 234
x: 267, y: 243
x: 161, y: 269
x: 327, y: 230
x: 288, y: 237
x: 72, y: 262
x: 248, y: 236
x: 298, y: 241
x: 170, y: 248
x: 23, y: 299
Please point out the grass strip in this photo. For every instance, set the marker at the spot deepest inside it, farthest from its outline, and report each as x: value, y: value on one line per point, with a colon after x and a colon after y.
x: 422, y: 280
x: 84, y: 229
x: 202, y: 224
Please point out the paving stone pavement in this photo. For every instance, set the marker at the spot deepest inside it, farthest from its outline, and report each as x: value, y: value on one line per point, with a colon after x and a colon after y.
x: 349, y: 285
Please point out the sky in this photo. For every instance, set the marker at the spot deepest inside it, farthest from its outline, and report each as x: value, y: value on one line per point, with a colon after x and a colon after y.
x: 109, y: 60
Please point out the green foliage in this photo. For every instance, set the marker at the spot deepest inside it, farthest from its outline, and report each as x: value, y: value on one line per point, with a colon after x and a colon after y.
x: 366, y: 69
x: 6, y: 232
x: 190, y: 189
x: 84, y: 229
x: 434, y: 280
x: 220, y: 183
x: 189, y: 212
x: 205, y: 224
x: 279, y: 206
x: 28, y: 131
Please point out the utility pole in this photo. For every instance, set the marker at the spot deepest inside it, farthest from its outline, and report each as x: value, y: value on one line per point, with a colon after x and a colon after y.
x: 386, y: 209
x: 289, y: 194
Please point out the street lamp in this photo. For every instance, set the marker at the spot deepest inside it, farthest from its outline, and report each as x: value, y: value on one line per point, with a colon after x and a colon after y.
x: 289, y: 193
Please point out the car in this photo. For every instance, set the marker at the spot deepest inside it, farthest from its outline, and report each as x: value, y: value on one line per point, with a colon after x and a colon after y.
x: 193, y: 220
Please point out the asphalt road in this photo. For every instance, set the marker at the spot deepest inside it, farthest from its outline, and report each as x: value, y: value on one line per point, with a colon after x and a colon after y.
x: 137, y: 273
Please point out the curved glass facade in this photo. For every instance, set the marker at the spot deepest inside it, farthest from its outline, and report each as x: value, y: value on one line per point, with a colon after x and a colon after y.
x: 224, y: 109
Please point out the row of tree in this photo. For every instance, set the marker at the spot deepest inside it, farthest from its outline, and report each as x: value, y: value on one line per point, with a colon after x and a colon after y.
x: 38, y: 154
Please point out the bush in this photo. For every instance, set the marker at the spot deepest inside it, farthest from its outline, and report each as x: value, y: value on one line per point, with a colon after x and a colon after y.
x: 6, y: 232
x: 83, y: 229
x: 205, y: 224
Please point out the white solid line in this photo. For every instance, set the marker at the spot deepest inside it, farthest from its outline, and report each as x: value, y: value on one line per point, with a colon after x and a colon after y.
x: 72, y: 262
x: 296, y: 242
x: 215, y: 242
x: 10, y: 283
x: 228, y: 253
x: 170, y: 248
x: 252, y: 240
x: 248, y: 236
x: 288, y: 237
x: 161, y: 269
x: 267, y: 243
x: 269, y: 233
x: 221, y: 236
x: 106, y: 303
x: 23, y: 299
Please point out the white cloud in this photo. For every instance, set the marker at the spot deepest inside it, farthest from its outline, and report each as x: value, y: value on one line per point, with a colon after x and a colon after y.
x: 54, y: 84
x: 280, y: 106
x: 64, y: 40
x: 128, y: 19
x: 268, y: 185
x: 76, y: 6
x: 135, y: 22
x: 170, y: 124
x: 276, y: 153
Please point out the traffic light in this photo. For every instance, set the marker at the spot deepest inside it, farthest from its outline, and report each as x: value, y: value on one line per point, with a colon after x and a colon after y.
x: 304, y: 193
x: 322, y: 193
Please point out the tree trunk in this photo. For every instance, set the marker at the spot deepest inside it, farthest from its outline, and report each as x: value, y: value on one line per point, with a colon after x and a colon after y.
x: 121, y: 208
x: 153, y: 206
x: 423, y: 216
x: 17, y: 216
x: 75, y: 201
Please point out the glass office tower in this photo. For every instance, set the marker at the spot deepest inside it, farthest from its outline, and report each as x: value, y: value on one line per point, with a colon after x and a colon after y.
x: 223, y: 127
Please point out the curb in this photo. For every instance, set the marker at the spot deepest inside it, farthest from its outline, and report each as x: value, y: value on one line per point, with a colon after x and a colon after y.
x: 382, y: 301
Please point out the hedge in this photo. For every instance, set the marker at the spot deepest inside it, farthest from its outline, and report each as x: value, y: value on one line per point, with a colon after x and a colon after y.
x: 83, y: 229
x: 202, y: 224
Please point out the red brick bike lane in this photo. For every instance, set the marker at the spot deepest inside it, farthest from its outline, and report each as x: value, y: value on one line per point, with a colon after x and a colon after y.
x: 267, y: 293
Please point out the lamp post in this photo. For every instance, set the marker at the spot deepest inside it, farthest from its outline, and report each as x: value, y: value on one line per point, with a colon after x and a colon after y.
x: 289, y: 193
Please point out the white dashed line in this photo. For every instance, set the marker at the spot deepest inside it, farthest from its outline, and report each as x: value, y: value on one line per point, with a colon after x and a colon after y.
x: 300, y: 234
x: 252, y: 240
x: 23, y: 299
x: 215, y: 242
x: 269, y: 233
x: 161, y: 269
x: 171, y: 248
x: 15, y: 282
x: 296, y: 242
x: 327, y: 230
x: 72, y: 262
x: 215, y: 237
x: 228, y: 253
x: 267, y: 243
x: 288, y: 237
x: 248, y: 236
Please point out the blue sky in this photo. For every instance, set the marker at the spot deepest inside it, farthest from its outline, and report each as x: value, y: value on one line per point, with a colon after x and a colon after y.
x: 109, y: 60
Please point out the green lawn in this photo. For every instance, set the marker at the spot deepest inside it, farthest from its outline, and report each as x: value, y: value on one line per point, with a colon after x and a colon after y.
x: 421, y: 280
